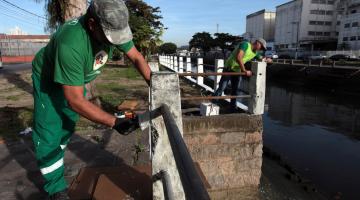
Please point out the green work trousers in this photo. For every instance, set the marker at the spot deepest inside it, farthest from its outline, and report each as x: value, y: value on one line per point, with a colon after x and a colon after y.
x: 54, y: 123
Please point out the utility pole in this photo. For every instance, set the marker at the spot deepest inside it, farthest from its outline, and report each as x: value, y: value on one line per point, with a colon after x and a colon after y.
x: 217, y: 28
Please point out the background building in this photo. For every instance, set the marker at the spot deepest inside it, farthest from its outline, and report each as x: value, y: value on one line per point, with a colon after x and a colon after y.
x: 306, y: 24
x: 21, y: 48
x: 349, y: 24
x: 260, y: 24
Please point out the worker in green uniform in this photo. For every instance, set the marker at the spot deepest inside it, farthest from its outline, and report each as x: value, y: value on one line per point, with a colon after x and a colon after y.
x: 75, y: 55
x: 242, y: 54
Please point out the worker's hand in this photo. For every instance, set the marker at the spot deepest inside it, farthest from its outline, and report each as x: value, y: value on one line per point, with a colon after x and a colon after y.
x: 268, y: 60
x: 126, y: 126
x: 248, y: 73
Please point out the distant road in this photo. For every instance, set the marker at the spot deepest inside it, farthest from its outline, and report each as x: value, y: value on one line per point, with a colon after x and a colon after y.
x: 13, y: 68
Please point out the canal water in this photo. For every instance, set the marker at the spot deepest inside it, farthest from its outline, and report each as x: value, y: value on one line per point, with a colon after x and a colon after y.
x: 318, y: 135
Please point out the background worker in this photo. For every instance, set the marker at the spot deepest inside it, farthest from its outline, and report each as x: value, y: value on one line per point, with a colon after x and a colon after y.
x: 74, y: 56
x: 242, y: 54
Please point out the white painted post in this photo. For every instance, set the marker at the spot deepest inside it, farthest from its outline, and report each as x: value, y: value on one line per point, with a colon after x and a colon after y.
x: 165, y: 89
x: 200, y: 69
x: 219, y: 66
x: 257, y: 88
x: 172, y: 62
x: 181, y: 64
x: 188, y: 66
x: 176, y: 64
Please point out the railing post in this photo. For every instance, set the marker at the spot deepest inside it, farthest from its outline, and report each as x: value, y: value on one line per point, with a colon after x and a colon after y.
x: 168, y: 62
x: 200, y: 69
x: 176, y: 64
x: 257, y: 88
x: 181, y: 64
x: 219, y: 66
x: 172, y: 62
x: 188, y: 66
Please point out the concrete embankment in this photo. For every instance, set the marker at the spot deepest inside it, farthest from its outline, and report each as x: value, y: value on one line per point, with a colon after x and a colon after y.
x: 341, y: 81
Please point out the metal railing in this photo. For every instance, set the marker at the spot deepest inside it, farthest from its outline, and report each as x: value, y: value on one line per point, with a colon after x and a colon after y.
x: 255, y: 89
x: 192, y: 183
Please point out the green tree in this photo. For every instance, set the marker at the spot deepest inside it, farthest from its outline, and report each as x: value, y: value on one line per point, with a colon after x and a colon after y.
x: 168, y: 48
x: 226, y: 41
x: 145, y: 22
x: 203, y: 40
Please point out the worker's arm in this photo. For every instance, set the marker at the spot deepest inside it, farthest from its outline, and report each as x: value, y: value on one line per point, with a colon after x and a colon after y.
x: 139, y: 61
x: 239, y: 59
x: 76, y: 100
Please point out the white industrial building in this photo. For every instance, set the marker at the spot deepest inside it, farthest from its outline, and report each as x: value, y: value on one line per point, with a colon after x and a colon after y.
x: 261, y: 24
x: 307, y: 25
x: 349, y: 25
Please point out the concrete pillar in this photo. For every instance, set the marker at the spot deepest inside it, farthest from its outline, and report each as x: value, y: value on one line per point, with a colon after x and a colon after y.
x: 188, y: 66
x: 154, y: 66
x: 176, y: 64
x: 219, y: 66
x: 172, y: 62
x: 257, y: 86
x: 165, y: 89
x: 181, y: 65
x: 200, y: 69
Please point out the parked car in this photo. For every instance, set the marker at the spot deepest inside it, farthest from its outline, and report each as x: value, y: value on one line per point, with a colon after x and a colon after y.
x: 338, y: 57
x: 271, y: 54
x: 317, y: 57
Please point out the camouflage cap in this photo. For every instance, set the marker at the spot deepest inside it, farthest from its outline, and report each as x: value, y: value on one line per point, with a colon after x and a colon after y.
x: 113, y: 17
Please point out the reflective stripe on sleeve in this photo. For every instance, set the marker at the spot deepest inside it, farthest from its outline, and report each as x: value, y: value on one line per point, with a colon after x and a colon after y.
x: 53, y: 167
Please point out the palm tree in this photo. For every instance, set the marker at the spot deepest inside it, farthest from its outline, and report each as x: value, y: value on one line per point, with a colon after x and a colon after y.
x: 60, y: 11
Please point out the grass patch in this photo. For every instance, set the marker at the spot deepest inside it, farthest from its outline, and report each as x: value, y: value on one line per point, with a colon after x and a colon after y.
x: 111, y: 73
x: 13, y: 98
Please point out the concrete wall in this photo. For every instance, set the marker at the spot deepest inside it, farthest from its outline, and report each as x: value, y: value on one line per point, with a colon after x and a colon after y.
x: 260, y: 24
x: 228, y: 149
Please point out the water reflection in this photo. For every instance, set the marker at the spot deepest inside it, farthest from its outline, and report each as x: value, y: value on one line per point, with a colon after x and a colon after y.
x: 317, y: 134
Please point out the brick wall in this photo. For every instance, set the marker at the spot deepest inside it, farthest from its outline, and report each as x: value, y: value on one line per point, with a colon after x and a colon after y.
x: 16, y: 59
x: 228, y: 149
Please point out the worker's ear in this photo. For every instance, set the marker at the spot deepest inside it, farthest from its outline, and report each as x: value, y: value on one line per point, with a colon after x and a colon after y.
x: 91, y: 24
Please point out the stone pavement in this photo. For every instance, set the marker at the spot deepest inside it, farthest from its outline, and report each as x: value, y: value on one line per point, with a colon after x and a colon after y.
x: 21, y: 179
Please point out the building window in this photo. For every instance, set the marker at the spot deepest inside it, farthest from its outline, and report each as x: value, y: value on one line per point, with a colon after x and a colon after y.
x: 311, y: 33
x: 345, y: 39
x: 353, y: 11
x: 312, y: 22
x: 347, y: 25
x: 358, y: 37
x: 320, y: 22
x: 337, y: 33
x: 328, y: 23
x: 319, y: 33
x: 355, y: 24
x: 338, y: 23
x: 326, y: 33
x: 329, y: 12
x: 353, y: 38
x: 330, y: 2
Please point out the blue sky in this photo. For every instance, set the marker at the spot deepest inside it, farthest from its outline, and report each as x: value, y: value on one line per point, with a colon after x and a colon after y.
x: 183, y: 18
